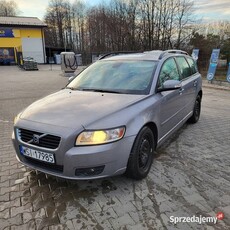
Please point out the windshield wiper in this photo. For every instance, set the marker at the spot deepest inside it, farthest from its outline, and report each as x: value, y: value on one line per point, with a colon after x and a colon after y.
x: 101, y: 90
x: 71, y: 88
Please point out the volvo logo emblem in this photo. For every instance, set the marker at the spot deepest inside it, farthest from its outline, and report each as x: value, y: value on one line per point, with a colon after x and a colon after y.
x: 36, y: 139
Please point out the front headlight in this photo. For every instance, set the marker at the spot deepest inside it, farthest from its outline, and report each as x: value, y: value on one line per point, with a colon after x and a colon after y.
x: 98, y: 137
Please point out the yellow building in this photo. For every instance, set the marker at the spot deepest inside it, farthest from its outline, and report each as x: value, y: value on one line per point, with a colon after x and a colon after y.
x: 21, y: 37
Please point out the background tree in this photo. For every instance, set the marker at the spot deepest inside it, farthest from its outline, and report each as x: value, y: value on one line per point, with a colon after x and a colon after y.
x: 8, y: 8
x: 212, y: 36
x: 79, y: 25
x: 128, y: 25
x: 58, y: 18
x: 225, y: 50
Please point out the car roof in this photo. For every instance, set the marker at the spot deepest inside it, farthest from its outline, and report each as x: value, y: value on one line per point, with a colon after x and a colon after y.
x: 154, y: 55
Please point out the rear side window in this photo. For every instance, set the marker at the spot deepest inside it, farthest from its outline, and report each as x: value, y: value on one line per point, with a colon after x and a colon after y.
x: 184, y: 68
x: 169, y: 71
x: 192, y: 65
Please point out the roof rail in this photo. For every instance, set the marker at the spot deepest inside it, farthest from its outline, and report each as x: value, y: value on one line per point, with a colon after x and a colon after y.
x: 172, y: 51
x: 117, y: 53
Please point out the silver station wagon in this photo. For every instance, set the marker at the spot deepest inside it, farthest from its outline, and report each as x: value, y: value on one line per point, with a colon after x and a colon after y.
x: 111, y: 117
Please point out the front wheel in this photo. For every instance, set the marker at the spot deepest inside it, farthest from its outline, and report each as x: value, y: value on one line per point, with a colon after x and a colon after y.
x: 141, y: 157
x: 196, y: 110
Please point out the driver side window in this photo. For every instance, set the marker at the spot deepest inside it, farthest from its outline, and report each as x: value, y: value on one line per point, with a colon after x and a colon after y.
x: 168, y: 71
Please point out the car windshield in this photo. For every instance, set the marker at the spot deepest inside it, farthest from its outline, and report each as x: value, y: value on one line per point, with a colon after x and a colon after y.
x: 113, y: 76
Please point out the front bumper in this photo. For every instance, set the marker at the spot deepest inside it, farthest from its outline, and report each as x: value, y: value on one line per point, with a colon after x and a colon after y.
x: 74, y: 162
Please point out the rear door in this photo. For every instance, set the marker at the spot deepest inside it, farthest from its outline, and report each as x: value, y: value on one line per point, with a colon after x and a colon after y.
x: 189, y: 80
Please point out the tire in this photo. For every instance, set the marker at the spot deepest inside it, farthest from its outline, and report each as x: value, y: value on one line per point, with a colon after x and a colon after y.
x: 141, y: 156
x: 196, y: 111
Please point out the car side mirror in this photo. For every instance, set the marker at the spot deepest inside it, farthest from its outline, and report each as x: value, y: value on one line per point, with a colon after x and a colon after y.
x: 170, y: 85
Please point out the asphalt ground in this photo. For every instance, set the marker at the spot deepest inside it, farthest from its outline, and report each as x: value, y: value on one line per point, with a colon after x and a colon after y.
x: 190, y: 176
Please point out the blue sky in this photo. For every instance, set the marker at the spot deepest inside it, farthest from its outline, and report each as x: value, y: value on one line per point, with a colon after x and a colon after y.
x: 208, y: 10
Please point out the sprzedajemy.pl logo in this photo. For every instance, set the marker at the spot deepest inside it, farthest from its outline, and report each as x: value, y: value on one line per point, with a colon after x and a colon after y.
x: 197, y: 219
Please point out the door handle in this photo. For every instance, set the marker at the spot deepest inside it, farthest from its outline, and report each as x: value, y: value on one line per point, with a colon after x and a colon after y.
x: 195, y: 83
x: 181, y: 90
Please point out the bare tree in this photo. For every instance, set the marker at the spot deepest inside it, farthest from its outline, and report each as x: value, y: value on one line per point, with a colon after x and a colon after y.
x: 120, y: 24
x: 79, y: 27
x: 183, y: 21
x: 8, y: 8
x: 58, y: 18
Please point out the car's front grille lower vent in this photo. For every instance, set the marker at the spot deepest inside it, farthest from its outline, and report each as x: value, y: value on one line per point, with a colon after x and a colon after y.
x: 39, y: 139
x: 44, y: 165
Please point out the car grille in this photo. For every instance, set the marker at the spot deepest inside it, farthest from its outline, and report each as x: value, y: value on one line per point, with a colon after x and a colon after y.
x: 39, y: 139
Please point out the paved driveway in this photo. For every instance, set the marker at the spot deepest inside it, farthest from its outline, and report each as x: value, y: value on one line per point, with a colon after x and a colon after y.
x: 190, y: 176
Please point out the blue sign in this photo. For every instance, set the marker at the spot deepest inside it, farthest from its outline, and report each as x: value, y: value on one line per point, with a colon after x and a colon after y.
x: 228, y: 73
x: 213, y: 64
x: 195, y: 54
x: 6, y: 33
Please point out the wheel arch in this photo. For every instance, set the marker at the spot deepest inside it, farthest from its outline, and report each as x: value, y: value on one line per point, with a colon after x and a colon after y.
x: 134, y: 170
x: 200, y: 93
x: 154, y: 129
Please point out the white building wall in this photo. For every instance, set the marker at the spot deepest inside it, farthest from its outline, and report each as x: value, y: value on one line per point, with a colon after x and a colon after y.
x: 33, y: 47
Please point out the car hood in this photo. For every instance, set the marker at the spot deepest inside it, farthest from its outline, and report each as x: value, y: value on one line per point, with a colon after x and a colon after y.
x: 72, y: 109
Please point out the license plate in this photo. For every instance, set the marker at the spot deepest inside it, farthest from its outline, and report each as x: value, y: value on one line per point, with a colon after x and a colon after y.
x: 38, y: 155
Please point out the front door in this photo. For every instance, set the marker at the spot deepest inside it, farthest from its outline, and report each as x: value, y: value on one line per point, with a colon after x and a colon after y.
x: 172, y: 102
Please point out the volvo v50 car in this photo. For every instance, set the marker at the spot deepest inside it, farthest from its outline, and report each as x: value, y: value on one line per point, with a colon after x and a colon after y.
x: 111, y: 117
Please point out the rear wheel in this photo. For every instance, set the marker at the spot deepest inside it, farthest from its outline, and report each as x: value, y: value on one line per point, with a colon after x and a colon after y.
x: 141, y: 157
x: 196, y: 110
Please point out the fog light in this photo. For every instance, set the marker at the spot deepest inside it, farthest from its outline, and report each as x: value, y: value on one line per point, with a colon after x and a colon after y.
x: 89, y: 171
